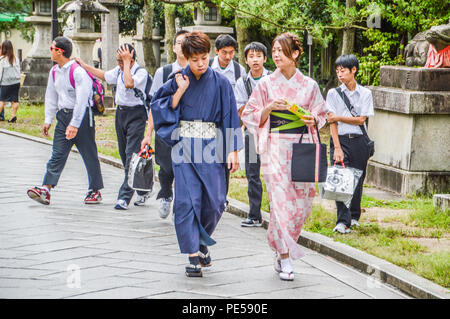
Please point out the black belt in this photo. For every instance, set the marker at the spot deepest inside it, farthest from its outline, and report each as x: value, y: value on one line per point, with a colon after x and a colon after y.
x: 351, y: 135
x: 67, y: 110
x: 124, y: 107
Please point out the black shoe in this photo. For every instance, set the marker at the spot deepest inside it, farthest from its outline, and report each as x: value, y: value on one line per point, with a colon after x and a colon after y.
x: 204, y: 259
x: 13, y: 120
x: 194, y: 271
x: 251, y: 223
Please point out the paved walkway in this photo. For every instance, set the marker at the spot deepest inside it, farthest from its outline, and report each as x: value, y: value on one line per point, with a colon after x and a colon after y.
x: 70, y: 250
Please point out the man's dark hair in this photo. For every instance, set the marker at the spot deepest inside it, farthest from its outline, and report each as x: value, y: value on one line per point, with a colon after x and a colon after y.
x: 225, y: 40
x: 195, y: 42
x: 178, y: 34
x: 130, y: 48
x: 255, y: 46
x: 65, y: 44
x: 347, y: 61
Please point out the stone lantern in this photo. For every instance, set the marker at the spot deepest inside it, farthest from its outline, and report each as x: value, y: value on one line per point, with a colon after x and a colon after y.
x: 208, y: 20
x: 80, y: 26
x: 37, y: 63
x: 110, y: 33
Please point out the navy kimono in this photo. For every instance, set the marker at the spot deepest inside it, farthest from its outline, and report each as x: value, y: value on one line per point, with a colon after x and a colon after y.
x: 199, y: 164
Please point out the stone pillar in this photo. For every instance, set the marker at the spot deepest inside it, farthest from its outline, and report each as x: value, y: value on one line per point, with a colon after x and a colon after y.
x: 110, y: 33
x: 411, y: 130
x: 156, y: 39
x: 37, y: 63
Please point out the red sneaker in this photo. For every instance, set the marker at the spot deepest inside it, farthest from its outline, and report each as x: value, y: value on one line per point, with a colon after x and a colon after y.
x: 40, y: 195
x: 93, y: 197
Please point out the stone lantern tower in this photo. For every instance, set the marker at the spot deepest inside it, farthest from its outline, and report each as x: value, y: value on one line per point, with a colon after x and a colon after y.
x: 208, y: 20
x: 80, y: 26
x: 37, y: 63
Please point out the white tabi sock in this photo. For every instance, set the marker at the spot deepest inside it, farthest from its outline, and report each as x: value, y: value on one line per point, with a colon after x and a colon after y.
x: 286, y: 265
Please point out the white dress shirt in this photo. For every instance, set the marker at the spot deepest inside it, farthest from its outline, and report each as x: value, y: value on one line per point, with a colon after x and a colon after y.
x: 61, y: 95
x: 360, y: 98
x: 228, y: 72
x: 124, y: 96
x: 158, y: 79
x: 241, y: 93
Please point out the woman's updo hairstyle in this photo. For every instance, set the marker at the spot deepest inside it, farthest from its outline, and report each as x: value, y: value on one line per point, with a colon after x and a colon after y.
x: 289, y: 43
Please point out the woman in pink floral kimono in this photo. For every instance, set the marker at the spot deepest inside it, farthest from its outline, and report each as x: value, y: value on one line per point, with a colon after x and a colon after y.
x: 290, y: 202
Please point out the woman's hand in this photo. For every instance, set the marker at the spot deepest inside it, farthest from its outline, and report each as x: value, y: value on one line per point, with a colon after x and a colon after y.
x: 309, y: 120
x: 279, y: 104
x: 233, y: 161
x: 182, y: 82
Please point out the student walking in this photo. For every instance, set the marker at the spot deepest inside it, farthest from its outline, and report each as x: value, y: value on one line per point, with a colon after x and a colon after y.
x: 290, y: 202
x: 70, y: 104
x: 349, y: 106
x: 162, y: 150
x: 131, y: 113
x: 195, y: 111
x: 255, y: 57
x: 9, y: 79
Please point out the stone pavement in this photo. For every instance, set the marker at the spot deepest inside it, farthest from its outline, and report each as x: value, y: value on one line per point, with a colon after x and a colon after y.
x: 70, y: 250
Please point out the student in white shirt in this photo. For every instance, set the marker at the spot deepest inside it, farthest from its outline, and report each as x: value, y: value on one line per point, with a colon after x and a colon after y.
x: 70, y: 105
x: 255, y: 57
x: 131, y: 113
x: 347, y: 142
x: 223, y: 62
x: 163, y: 151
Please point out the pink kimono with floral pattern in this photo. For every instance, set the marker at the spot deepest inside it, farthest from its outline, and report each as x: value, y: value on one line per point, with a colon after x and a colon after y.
x: 290, y: 202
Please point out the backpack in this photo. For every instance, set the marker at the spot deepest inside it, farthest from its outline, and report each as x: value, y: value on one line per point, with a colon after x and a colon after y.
x: 248, y: 85
x: 167, y: 69
x: 98, y: 91
x: 148, y: 85
x: 237, y: 68
x: 138, y: 93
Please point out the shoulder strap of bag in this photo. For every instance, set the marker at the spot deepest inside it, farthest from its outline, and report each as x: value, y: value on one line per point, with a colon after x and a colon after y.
x: 167, y: 69
x: 350, y: 107
x: 237, y: 70
x: 211, y: 60
x: 247, y: 85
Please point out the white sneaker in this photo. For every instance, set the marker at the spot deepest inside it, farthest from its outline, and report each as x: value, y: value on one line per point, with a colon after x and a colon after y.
x: 164, y: 207
x: 287, y: 272
x: 341, y: 228
x: 121, y: 205
x: 354, y: 223
x: 140, y: 200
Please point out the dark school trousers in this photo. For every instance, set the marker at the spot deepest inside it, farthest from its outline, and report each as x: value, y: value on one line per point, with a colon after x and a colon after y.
x: 252, y: 172
x: 163, y: 158
x: 130, y: 130
x: 85, y: 143
x: 356, y: 155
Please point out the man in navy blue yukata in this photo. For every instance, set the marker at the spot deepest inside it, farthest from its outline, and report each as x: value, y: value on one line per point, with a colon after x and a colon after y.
x: 195, y: 112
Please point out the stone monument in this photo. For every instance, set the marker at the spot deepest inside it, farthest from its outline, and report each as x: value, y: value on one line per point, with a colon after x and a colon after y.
x: 209, y: 21
x: 80, y: 26
x: 37, y: 64
x: 156, y: 41
x: 411, y: 130
x: 110, y: 33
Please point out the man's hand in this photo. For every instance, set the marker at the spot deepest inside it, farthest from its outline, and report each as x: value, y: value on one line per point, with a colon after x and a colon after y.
x: 126, y: 55
x: 332, y: 118
x: 79, y: 61
x: 146, y: 141
x: 338, y: 155
x: 182, y: 82
x: 45, y: 129
x: 233, y: 161
x: 71, y: 132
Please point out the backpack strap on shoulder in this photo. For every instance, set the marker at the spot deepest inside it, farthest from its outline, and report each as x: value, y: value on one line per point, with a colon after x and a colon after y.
x: 211, y: 60
x: 237, y: 70
x: 72, y: 69
x: 167, y: 69
x: 53, y: 71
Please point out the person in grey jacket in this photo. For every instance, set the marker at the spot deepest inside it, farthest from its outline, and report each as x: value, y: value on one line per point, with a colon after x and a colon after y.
x: 9, y: 79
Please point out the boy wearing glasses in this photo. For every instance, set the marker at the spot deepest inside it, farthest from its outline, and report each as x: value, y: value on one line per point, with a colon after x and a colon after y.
x: 131, y: 113
x: 163, y: 151
x: 69, y: 104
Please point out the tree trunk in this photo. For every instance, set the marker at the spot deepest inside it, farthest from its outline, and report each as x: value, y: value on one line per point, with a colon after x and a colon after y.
x: 169, y: 20
x: 147, y: 39
x: 242, y: 39
x: 348, y: 41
